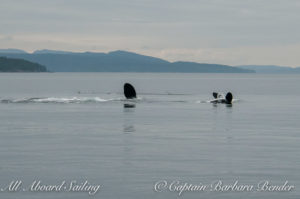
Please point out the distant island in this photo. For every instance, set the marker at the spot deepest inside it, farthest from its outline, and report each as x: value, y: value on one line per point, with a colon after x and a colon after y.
x: 116, y: 61
x: 271, y: 69
x: 19, y: 65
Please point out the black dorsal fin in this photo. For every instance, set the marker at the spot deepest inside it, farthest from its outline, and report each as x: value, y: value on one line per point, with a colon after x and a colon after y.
x: 129, y: 91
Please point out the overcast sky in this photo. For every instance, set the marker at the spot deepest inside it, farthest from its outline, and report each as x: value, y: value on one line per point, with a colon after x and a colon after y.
x: 214, y: 31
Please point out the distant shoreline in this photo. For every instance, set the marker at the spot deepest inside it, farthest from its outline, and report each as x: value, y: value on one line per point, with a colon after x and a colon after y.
x: 124, y: 61
x: 116, y: 61
x: 20, y: 65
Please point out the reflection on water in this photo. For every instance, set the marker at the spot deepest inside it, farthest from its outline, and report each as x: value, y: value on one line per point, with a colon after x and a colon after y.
x: 129, y: 128
x: 129, y: 106
x: 228, y: 105
x: 222, y: 128
x: 128, y: 137
x: 128, y: 125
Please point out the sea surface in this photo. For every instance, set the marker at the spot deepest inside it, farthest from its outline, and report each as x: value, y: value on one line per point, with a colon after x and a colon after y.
x: 57, y: 127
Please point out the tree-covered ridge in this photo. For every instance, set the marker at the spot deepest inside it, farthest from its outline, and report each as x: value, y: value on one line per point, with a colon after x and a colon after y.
x: 19, y: 65
x: 117, y: 61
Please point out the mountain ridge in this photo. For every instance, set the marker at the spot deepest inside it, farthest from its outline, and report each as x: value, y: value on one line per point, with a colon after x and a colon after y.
x: 117, y: 61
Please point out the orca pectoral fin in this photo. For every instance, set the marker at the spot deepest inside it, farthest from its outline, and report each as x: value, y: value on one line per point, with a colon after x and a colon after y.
x: 129, y: 91
x: 229, y: 98
x: 215, y: 95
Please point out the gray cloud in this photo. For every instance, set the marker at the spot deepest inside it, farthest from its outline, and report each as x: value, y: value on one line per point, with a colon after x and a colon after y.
x: 172, y: 26
x: 5, y: 38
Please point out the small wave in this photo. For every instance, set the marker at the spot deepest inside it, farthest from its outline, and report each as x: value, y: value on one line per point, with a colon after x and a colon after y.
x: 77, y: 99
x: 209, y: 101
x: 63, y: 100
x: 201, y: 101
x: 68, y: 100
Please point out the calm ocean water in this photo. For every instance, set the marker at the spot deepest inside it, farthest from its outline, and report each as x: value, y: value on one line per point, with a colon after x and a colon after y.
x: 58, y: 127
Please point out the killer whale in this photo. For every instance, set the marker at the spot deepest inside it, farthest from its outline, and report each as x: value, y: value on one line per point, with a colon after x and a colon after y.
x: 217, y: 95
x: 129, y: 91
x: 219, y: 98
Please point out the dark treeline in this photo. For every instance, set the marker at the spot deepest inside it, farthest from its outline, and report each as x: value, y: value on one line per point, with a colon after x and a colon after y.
x: 19, y: 65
